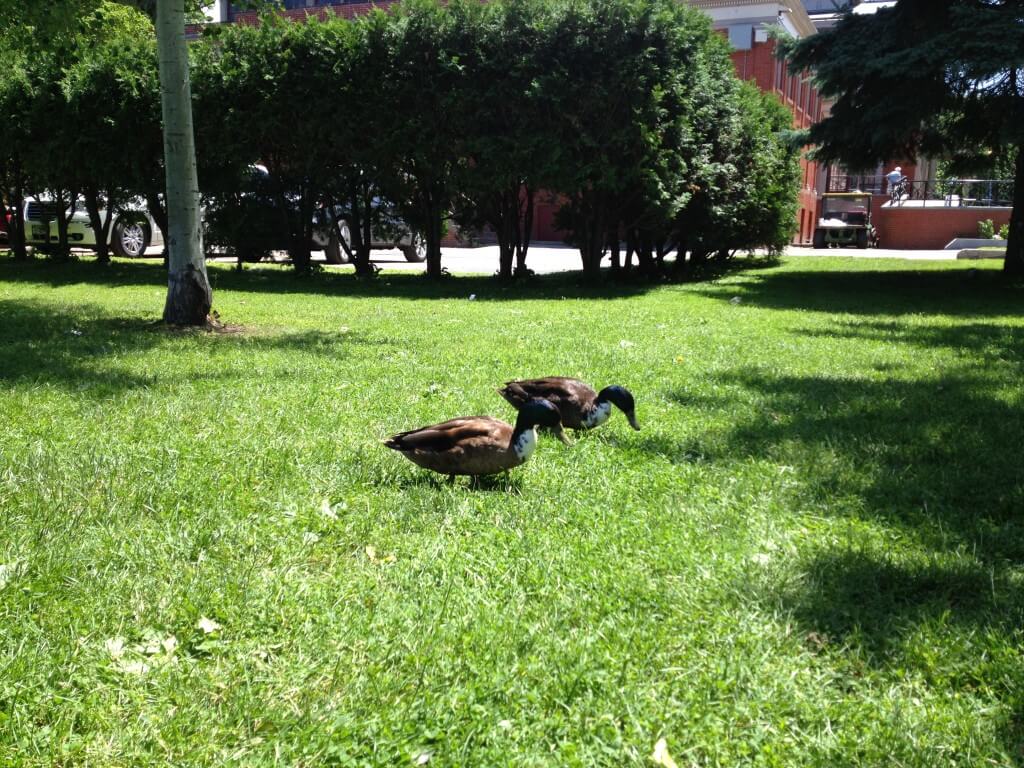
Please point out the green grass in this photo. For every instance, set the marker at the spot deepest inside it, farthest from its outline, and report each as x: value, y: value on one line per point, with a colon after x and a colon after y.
x: 813, y: 555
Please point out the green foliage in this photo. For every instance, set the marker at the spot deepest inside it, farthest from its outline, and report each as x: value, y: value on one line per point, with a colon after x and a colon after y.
x: 422, y: 91
x: 630, y: 112
x: 811, y: 556
x: 1004, y: 231
x: 986, y: 229
x: 506, y: 137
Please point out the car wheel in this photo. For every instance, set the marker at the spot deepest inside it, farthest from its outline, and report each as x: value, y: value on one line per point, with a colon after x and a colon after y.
x: 417, y: 251
x: 336, y: 252
x: 131, y: 238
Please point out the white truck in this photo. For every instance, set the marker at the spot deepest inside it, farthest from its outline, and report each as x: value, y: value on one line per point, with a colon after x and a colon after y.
x: 131, y: 233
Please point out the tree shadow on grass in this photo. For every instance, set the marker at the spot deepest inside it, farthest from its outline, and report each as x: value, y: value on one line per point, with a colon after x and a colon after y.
x: 278, y: 280
x: 655, y: 444
x: 961, y: 292
x: 994, y: 343
x: 940, y: 457
x: 81, y: 347
x: 934, y: 467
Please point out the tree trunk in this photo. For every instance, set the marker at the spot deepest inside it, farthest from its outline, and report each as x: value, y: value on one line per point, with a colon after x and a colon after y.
x: 100, y: 225
x: 526, y: 236
x: 300, y: 232
x: 589, y: 230
x: 614, y: 245
x: 16, y: 235
x: 645, y: 254
x: 508, y: 221
x: 188, y: 288
x: 433, y: 237
x: 434, y: 247
x: 1013, y: 265
x: 63, y: 217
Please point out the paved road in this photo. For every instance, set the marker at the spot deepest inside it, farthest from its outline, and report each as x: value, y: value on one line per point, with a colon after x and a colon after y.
x: 549, y: 258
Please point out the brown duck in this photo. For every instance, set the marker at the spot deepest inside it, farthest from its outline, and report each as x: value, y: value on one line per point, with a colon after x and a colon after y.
x: 478, y: 445
x: 580, y: 406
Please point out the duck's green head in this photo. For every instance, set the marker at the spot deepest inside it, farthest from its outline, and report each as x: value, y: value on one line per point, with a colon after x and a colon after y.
x: 541, y: 413
x: 622, y: 399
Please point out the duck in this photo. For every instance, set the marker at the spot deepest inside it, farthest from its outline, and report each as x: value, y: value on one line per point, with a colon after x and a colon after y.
x: 478, y: 445
x: 580, y: 406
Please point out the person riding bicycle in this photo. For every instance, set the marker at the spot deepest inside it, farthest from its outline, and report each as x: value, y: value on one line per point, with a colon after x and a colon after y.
x: 897, y: 184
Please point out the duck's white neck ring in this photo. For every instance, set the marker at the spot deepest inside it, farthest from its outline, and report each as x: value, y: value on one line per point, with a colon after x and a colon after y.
x: 524, y: 443
x: 598, y: 415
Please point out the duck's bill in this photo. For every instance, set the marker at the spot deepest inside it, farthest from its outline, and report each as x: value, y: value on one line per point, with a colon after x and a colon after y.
x: 633, y: 422
x: 560, y: 434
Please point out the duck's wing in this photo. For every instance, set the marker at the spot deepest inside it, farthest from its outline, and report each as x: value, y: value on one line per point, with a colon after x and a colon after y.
x: 557, y: 389
x: 573, y: 398
x: 460, y: 433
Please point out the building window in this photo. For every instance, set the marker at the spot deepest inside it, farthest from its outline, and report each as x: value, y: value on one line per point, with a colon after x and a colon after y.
x: 741, y: 36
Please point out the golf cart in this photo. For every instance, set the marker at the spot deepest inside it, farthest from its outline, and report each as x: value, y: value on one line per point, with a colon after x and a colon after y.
x: 845, y: 220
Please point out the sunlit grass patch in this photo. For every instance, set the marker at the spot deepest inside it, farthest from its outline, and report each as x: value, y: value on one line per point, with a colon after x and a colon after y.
x: 811, y: 555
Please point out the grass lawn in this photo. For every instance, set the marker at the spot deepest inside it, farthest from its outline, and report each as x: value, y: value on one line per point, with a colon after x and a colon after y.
x: 813, y: 555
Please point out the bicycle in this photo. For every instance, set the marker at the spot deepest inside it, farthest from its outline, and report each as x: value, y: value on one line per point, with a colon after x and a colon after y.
x: 898, y: 190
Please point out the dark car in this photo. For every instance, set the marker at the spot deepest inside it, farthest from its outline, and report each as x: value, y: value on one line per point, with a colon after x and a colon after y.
x: 255, y: 220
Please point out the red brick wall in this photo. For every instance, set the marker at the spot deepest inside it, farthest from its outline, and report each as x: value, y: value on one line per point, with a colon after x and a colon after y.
x: 910, y: 227
x: 760, y: 66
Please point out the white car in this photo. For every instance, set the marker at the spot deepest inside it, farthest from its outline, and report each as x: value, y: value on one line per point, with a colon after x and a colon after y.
x: 131, y: 233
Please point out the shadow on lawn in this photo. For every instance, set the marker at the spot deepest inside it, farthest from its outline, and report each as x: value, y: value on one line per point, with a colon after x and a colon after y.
x: 269, y: 279
x: 79, y: 347
x: 940, y: 457
x: 662, y: 445
x: 993, y: 343
x: 936, y: 461
x: 961, y: 292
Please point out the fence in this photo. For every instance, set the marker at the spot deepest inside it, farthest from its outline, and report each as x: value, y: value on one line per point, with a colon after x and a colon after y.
x: 954, y: 193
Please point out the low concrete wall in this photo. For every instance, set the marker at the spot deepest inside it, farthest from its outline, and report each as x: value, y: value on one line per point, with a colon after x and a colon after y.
x: 910, y: 227
x: 977, y: 253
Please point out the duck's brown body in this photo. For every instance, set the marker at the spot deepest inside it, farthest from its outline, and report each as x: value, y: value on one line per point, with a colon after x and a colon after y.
x: 575, y: 399
x: 471, y: 445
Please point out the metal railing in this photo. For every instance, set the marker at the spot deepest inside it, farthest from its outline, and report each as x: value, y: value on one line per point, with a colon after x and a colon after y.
x: 953, y: 193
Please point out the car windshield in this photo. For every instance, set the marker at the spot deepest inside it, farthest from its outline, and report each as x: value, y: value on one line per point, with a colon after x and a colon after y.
x: 836, y: 206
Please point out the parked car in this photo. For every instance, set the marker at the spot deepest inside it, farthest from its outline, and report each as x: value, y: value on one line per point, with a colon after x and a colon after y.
x: 845, y: 220
x: 253, y: 221
x: 392, y: 234
x: 131, y: 233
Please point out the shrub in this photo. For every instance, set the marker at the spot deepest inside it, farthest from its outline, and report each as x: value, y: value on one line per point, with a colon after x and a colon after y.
x: 986, y: 229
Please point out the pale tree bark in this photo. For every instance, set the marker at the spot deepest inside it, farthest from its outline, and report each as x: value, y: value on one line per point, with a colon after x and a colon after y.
x: 188, y: 289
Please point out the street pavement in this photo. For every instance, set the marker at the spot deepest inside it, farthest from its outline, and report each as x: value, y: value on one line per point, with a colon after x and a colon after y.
x: 548, y: 258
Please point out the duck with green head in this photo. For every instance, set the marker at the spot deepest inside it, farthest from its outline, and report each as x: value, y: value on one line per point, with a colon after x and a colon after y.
x: 580, y: 405
x: 478, y: 445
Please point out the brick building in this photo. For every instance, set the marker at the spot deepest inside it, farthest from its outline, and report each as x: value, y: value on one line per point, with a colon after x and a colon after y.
x: 746, y: 23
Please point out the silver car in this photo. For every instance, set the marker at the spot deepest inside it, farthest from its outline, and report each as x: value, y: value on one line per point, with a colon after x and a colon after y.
x: 131, y: 233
